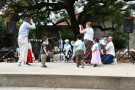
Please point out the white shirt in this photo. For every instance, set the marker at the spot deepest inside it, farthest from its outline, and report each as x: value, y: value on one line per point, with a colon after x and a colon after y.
x: 29, y: 46
x: 89, y: 34
x: 24, y: 30
x: 95, y: 46
x: 110, y: 48
x: 67, y: 47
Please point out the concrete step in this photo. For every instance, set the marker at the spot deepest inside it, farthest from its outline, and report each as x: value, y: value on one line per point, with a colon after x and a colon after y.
x: 41, y: 88
x: 67, y: 81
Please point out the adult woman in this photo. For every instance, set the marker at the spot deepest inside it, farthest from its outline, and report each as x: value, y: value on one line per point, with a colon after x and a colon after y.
x: 88, y: 36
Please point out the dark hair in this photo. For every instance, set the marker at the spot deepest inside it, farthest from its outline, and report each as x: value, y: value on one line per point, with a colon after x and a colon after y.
x: 79, y: 36
x: 29, y: 37
x: 27, y: 19
x: 96, y: 39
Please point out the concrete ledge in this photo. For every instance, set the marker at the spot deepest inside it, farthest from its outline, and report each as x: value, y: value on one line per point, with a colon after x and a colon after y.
x: 42, y: 88
x: 67, y: 81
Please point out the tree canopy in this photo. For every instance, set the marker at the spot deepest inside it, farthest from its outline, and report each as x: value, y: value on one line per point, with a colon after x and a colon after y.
x: 104, y: 14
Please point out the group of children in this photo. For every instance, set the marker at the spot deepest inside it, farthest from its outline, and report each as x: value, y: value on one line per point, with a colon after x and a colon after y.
x: 78, y: 51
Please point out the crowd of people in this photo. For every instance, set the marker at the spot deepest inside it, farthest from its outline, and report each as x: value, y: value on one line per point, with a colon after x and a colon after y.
x: 102, y: 51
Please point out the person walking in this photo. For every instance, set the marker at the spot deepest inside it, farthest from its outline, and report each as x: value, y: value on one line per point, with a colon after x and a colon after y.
x: 79, y: 51
x: 26, y: 26
x: 44, y: 51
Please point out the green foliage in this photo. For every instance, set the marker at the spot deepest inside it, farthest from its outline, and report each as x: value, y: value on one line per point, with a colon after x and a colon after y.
x: 38, y: 32
x: 99, y: 12
x: 2, y: 25
x: 67, y: 34
x: 120, y: 39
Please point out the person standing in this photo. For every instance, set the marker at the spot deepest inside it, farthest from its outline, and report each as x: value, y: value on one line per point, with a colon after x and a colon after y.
x: 44, y: 51
x: 30, y: 56
x: 96, y: 57
x: 103, y: 43
x: 110, y: 52
x: 67, y: 50
x: 88, y: 36
x: 79, y: 51
x: 26, y: 26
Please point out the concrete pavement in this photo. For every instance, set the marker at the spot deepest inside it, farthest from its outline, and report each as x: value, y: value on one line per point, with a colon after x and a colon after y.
x: 38, y: 88
x: 117, y: 70
x: 63, y: 76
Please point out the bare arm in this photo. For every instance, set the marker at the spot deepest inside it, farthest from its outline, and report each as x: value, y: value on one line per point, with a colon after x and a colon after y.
x: 82, y: 30
x: 45, y: 51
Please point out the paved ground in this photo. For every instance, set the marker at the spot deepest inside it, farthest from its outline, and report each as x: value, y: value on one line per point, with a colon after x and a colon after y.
x: 117, y: 70
x: 37, y: 88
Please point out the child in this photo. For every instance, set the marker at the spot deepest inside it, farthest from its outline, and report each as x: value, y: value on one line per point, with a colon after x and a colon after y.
x: 79, y: 51
x: 30, y: 56
x: 44, y: 51
x: 67, y: 50
x: 96, y: 58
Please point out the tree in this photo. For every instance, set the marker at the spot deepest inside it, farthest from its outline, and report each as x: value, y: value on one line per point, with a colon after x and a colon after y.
x: 100, y: 12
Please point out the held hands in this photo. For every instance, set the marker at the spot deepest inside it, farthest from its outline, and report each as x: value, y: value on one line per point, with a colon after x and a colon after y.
x: 80, y: 26
x: 31, y: 21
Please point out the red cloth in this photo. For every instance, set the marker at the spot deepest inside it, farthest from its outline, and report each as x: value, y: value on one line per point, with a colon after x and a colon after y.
x: 29, y: 57
x: 85, y: 60
x: 74, y: 59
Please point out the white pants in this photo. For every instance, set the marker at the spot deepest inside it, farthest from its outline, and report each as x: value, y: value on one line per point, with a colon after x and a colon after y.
x: 23, y: 45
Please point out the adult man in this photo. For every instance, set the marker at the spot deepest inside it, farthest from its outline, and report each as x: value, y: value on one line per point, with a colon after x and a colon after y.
x: 23, y: 40
x: 110, y: 52
x: 88, y: 36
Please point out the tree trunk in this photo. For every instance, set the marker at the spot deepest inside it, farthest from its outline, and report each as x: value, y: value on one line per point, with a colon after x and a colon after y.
x: 72, y: 17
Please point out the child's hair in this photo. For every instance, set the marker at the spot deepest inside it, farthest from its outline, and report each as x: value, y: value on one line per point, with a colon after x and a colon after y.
x: 79, y: 36
x: 96, y: 39
x: 45, y: 38
x: 89, y: 24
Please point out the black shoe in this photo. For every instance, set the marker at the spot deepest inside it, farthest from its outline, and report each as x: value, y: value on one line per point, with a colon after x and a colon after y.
x: 27, y: 63
x: 44, y: 66
x: 77, y: 65
x: 95, y: 65
x: 82, y: 66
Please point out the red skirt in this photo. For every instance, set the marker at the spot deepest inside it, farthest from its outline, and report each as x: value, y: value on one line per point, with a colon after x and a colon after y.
x: 85, y: 60
x: 29, y: 57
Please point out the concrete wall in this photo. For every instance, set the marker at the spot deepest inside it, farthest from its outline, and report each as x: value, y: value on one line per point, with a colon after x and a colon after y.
x: 98, y: 33
x: 132, y: 38
x: 67, y: 81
